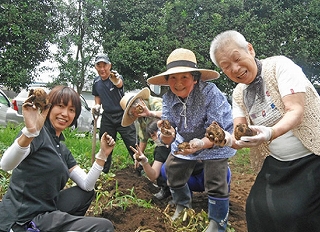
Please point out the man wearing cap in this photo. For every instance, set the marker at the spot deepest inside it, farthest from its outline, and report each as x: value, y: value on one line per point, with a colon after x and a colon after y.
x: 145, y: 108
x: 191, y: 105
x: 108, y: 90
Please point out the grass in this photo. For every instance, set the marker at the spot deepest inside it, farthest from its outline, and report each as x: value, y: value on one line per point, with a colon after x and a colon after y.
x: 81, y: 148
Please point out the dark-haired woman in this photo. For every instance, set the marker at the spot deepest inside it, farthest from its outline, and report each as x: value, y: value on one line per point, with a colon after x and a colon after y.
x: 41, y: 165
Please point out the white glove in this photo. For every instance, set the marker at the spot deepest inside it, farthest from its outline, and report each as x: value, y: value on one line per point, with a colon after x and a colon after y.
x: 33, y: 119
x: 264, y: 134
x: 107, y: 144
x: 115, y: 77
x: 196, y: 143
x: 96, y: 109
x: 228, y: 137
x: 142, y: 158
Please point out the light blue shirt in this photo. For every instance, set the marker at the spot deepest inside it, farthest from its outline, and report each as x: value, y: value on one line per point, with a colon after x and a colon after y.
x: 205, y: 104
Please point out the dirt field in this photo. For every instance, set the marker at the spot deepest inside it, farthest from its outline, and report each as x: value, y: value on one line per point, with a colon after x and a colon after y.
x: 135, y: 218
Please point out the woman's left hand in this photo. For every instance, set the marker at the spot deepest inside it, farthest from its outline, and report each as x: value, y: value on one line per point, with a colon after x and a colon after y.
x: 264, y: 134
x: 107, y: 144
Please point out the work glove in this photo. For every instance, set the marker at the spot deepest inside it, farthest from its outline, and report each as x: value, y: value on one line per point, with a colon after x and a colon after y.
x: 33, y: 118
x: 96, y: 109
x: 218, y: 136
x: 138, y: 156
x: 115, y: 77
x: 264, y: 134
x: 196, y: 143
x: 107, y: 144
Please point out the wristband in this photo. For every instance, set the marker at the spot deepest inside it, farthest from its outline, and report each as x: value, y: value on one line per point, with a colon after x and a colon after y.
x: 27, y: 133
x: 146, y: 161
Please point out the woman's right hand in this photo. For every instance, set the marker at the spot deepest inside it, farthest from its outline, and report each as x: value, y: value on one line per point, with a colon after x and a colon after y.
x: 33, y: 118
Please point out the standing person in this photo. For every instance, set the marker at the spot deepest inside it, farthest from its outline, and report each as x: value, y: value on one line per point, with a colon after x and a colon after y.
x: 108, y: 90
x: 36, y: 199
x: 285, y: 114
x: 190, y: 105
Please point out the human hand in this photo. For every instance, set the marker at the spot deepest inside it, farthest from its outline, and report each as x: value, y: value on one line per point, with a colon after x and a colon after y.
x: 218, y: 136
x: 96, y: 109
x: 138, y: 156
x: 107, y: 144
x: 115, y: 77
x: 166, y: 129
x: 264, y: 134
x: 196, y: 143
x: 185, y: 148
x: 33, y: 117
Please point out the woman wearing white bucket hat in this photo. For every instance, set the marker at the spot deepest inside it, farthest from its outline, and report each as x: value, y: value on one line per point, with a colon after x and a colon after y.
x: 191, y: 105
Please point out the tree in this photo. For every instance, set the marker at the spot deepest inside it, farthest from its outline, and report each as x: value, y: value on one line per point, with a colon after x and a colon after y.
x: 140, y: 35
x: 79, y: 42
x: 26, y: 28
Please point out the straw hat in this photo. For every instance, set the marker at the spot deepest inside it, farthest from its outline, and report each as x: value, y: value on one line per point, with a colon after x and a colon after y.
x: 126, y: 102
x: 179, y: 61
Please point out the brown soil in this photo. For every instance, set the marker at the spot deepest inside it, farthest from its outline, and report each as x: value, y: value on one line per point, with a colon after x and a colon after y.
x: 157, y: 219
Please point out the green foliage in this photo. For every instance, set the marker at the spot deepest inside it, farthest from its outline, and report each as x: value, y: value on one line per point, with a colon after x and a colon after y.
x: 79, y: 42
x: 26, y: 27
x: 123, y: 201
x: 139, y: 35
x: 241, y: 161
x: 81, y: 148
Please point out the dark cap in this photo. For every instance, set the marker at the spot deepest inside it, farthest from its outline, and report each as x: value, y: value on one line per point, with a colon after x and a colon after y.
x: 102, y: 58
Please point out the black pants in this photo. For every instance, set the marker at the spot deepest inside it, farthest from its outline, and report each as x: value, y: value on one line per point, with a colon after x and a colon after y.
x: 111, y: 123
x: 285, y: 196
x: 72, y: 204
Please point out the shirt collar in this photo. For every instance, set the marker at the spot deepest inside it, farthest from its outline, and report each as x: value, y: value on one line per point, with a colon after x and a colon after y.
x: 52, y: 131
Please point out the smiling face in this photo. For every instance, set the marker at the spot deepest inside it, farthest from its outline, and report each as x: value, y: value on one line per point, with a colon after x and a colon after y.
x: 61, y: 116
x: 237, y: 63
x: 181, y: 84
x: 103, y: 69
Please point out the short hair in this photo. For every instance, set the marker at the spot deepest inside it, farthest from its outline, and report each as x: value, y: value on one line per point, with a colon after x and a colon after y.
x: 64, y: 94
x: 225, y: 38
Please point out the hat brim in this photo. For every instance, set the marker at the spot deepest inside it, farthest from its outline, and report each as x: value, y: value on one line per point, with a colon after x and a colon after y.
x: 206, y: 75
x: 126, y: 120
x: 103, y: 60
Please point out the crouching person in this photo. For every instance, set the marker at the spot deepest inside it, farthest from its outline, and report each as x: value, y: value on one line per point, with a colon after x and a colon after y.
x: 41, y: 165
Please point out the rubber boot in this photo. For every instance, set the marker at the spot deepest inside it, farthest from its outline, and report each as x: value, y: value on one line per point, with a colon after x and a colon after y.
x: 218, y: 212
x: 182, y: 198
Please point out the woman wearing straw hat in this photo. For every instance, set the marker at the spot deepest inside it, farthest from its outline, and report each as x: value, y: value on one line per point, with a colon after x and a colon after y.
x: 191, y: 105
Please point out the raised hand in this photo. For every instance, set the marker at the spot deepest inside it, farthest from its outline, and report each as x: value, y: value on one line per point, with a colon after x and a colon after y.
x: 107, y: 144
x: 115, y: 77
x: 35, y: 110
x: 166, y: 129
x: 138, y: 156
